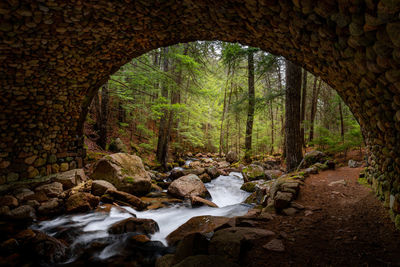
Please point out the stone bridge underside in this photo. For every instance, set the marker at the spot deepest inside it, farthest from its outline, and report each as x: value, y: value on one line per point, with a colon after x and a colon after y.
x: 56, y: 54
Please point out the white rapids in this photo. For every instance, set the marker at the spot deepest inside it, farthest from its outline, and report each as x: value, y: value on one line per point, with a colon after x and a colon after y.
x: 225, y: 192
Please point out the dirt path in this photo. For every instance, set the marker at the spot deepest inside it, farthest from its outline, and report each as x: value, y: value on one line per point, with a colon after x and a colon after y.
x: 346, y: 225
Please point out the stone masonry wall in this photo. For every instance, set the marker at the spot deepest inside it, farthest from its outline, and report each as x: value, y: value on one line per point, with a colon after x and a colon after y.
x: 56, y: 54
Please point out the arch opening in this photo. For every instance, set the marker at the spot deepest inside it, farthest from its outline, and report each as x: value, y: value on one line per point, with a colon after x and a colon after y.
x: 56, y: 57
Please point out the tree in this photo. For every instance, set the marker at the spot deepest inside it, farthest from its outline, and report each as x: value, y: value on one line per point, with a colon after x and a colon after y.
x: 163, y: 132
x: 252, y: 100
x: 292, y: 115
x: 303, y: 106
x: 102, y: 122
x: 314, y: 102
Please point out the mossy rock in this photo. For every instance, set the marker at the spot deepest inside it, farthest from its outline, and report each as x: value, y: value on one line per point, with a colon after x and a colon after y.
x: 117, y: 145
x: 251, y: 199
x: 321, y: 166
x: 253, y: 172
x: 248, y: 187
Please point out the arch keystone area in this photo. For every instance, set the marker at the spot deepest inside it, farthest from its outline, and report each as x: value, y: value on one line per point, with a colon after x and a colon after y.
x: 56, y: 54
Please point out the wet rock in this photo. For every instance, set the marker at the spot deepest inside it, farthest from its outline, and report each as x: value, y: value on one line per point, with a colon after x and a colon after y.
x: 313, y: 157
x: 123, y: 198
x: 189, y: 185
x: 143, y: 226
x: 253, y: 172
x: 24, y: 212
x: 8, y: 200
x: 140, y: 239
x: 99, y: 187
x: 248, y: 187
x: 40, y: 247
x: 231, y: 157
x: 205, y: 178
x: 49, y: 207
x: 212, y: 172
x: 282, y: 200
x: 51, y: 190
x: 126, y: 172
x: 190, y: 245
x: 275, y: 245
x: 198, y: 201
x: 200, y: 224
x: 236, y: 241
x: 81, y: 202
x: 272, y: 174
x: 70, y: 178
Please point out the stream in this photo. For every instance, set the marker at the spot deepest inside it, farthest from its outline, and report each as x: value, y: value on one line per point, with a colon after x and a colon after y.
x: 83, y: 230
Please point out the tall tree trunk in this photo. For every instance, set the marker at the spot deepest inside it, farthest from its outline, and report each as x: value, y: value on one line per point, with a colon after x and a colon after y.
x: 341, y: 120
x: 314, y: 107
x: 163, y: 133
x: 103, y: 117
x: 293, y: 96
x: 303, y: 107
x: 221, y: 134
x: 250, y: 110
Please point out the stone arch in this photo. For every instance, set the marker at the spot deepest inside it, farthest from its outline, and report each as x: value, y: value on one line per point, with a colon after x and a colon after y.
x: 55, y: 55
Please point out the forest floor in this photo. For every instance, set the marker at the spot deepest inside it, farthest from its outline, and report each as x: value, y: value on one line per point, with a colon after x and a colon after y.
x: 342, y: 225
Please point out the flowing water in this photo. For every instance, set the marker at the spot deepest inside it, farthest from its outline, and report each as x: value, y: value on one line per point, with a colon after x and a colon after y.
x: 84, y: 229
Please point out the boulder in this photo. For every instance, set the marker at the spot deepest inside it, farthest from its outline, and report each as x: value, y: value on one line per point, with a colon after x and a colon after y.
x: 38, y: 196
x: 189, y: 185
x: 24, y: 212
x: 40, y: 247
x: 8, y: 200
x: 81, y: 202
x: 123, y: 198
x: 190, y: 245
x: 231, y: 157
x: 200, y: 224
x: 282, y: 200
x: 117, y: 145
x: 176, y: 173
x: 235, y: 242
x: 49, y: 207
x: 311, y: 170
x: 99, y: 187
x: 253, y: 172
x: 70, y: 178
x: 126, y: 172
x: 223, y: 164
x: 272, y: 174
x: 51, y: 190
x: 212, y: 172
x: 205, y: 178
x: 313, y: 157
x: 198, y: 201
x: 142, y: 226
